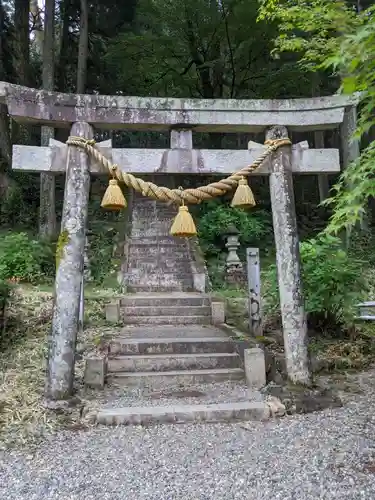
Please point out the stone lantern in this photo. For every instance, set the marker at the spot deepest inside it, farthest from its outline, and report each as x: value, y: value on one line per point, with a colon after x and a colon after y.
x: 234, y: 271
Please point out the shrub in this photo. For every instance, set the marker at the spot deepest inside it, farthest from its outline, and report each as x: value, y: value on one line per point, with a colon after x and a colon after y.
x: 332, y: 282
x: 24, y: 258
x: 255, y: 228
x: 101, y: 251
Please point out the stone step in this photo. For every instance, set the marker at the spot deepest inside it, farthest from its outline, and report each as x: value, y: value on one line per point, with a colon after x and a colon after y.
x: 166, y: 310
x: 142, y: 283
x: 158, y: 240
x: 161, y: 275
x: 138, y: 277
x: 168, y: 263
x: 171, y: 345
x: 154, y: 283
x: 168, y: 246
x: 152, y: 253
x: 175, y: 377
x: 172, y: 362
x: 134, y: 288
x: 158, y: 300
x: 151, y: 231
x: 222, y: 412
x: 166, y: 320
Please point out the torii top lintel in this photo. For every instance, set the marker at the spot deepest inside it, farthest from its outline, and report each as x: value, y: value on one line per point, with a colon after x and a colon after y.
x: 61, y: 110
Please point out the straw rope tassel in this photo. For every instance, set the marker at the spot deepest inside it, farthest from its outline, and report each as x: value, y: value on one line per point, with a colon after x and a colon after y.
x: 243, y: 197
x: 113, y: 198
x: 183, y: 224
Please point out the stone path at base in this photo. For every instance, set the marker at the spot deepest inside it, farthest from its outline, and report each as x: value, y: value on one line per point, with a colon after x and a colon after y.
x: 325, y: 456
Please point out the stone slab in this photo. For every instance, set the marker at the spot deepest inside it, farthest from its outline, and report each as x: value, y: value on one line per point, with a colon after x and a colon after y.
x: 218, y: 312
x: 167, y: 320
x: 172, y: 362
x: 112, y: 313
x: 161, y: 300
x: 175, y: 377
x: 223, y: 412
x: 228, y: 115
x: 95, y: 372
x: 167, y: 310
x: 178, y: 345
x: 171, y: 332
x: 255, y: 367
x: 209, y: 161
x: 179, y: 287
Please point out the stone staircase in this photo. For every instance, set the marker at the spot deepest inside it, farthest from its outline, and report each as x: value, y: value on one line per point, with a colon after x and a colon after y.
x: 163, y: 308
x: 156, y: 261
x: 170, y: 340
x: 158, y: 356
x: 174, y: 374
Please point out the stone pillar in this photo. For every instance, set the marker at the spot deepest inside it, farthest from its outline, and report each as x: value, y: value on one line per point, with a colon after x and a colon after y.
x: 181, y: 139
x: 69, y: 271
x: 288, y: 261
x: 254, y: 290
x: 323, y: 182
x: 350, y: 148
x: 47, y: 207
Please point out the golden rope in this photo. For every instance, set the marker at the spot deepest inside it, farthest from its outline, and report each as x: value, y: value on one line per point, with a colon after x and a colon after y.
x: 190, y: 196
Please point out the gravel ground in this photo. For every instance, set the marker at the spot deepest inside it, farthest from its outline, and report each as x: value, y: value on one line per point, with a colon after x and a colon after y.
x: 328, y: 455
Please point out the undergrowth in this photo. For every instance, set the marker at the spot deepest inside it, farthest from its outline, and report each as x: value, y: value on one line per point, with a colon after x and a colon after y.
x: 23, y: 417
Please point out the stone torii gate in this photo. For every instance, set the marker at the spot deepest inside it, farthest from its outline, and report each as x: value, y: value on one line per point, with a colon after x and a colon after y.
x: 182, y: 117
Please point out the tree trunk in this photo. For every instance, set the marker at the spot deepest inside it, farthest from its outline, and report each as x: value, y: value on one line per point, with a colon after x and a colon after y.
x: 5, y: 141
x: 21, y: 62
x: 47, y: 213
x: 63, y: 46
x: 21, y: 28
x: 83, y: 48
x: 38, y: 26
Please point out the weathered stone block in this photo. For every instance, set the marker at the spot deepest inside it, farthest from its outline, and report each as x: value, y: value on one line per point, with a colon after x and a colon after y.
x: 255, y: 368
x: 95, y: 372
x: 199, y: 282
x: 112, y: 312
x: 218, y: 313
x: 236, y: 276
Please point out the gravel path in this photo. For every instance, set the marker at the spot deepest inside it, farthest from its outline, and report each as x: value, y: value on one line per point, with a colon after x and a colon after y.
x: 328, y: 455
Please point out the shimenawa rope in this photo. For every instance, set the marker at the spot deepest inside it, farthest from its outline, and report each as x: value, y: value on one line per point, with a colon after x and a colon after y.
x: 178, y: 196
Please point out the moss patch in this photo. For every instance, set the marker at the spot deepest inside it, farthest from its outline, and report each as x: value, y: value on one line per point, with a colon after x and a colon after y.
x: 62, y: 241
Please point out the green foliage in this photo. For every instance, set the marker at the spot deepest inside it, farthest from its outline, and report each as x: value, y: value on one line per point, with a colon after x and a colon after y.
x: 331, y: 35
x: 255, y: 227
x: 24, y: 259
x: 310, y: 29
x: 195, y: 48
x: 332, y: 283
x: 101, y: 252
x: 350, y: 195
x: 356, y: 59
